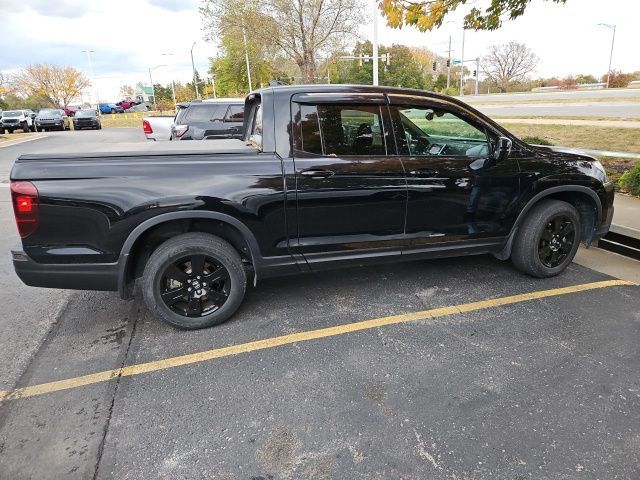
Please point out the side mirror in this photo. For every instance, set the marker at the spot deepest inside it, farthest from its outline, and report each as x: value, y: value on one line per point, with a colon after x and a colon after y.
x: 503, y: 148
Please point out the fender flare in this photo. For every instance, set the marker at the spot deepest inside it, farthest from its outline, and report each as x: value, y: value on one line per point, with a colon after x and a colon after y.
x: 254, y: 249
x: 505, y: 253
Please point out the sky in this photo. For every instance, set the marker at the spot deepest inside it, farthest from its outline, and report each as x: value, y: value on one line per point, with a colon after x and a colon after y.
x: 130, y: 36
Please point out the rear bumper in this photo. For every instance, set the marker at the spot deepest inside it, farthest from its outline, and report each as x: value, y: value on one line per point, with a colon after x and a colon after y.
x: 84, y: 276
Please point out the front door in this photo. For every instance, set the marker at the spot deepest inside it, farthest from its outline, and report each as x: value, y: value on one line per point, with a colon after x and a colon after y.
x: 351, y: 188
x: 456, y: 191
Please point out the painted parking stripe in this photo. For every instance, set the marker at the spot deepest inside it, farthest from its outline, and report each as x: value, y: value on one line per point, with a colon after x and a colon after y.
x: 305, y: 336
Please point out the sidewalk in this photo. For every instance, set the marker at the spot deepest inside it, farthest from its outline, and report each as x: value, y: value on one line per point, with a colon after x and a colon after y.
x: 626, y: 212
x: 567, y: 121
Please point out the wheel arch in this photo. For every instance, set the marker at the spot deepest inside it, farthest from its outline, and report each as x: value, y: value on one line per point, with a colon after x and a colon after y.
x: 583, y: 199
x: 160, y: 228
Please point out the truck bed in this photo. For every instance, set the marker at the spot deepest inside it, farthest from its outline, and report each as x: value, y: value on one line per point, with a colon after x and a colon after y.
x: 135, y: 149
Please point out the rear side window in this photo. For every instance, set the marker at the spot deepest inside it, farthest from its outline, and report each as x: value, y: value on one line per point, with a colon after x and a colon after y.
x: 235, y: 114
x: 341, y: 130
x: 201, y: 113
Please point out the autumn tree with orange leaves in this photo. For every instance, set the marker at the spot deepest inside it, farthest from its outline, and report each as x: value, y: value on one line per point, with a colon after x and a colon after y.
x: 59, y: 85
x: 429, y: 14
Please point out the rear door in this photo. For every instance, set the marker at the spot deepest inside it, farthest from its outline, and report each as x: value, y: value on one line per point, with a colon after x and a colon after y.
x: 205, y: 120
x: 351, y: 189
x: 233, y: 119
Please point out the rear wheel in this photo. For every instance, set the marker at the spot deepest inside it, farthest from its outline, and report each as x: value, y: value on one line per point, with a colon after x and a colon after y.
x: 548, y: 239
x: 194, y: 280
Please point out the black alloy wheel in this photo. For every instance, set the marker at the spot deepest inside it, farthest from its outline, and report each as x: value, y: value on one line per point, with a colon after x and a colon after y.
x: 556, y: 241
x: 194, y: 280
x: 195, y: 286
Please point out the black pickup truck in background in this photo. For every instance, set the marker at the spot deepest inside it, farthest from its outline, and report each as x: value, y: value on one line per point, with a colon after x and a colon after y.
x: 325, y: 176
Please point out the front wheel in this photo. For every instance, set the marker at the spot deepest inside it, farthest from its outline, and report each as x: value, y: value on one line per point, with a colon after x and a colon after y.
x: 548, y: 239
x: 194, y: 280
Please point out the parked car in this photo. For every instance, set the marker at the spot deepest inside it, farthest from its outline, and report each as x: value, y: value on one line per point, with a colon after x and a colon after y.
x: 12, y: 120
x: 201, y: 120
x: 87, y: 119
x: 126, y: 104
x: 71, y: 110
x: 157, y: 127
x: 110, y: 108
x: 52, y: 119
x: 325, y: 176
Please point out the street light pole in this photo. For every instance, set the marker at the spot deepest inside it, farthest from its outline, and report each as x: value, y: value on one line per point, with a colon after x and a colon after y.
x: 89, y: 52
x: 477, y: 73
x: 613, y: 41
x: 462, y: 64
x: 193, y: 67
x: 375, y: 42
x: 246, y: 55
x: 449, y: 65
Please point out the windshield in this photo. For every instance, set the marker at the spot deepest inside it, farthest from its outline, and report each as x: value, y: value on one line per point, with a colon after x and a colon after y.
x: 11, y: 113
x: 48, y: 111
x: 85, y: 113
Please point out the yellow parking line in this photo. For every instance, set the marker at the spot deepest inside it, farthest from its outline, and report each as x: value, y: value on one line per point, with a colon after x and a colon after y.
x: 192, y: 358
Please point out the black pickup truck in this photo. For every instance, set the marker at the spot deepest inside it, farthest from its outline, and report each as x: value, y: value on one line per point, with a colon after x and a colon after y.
x: 326, y: 176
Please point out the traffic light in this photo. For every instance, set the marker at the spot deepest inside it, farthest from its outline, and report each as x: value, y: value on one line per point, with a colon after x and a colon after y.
x: 475, y: 73
x: 435, y: 66
x: 448, y: 63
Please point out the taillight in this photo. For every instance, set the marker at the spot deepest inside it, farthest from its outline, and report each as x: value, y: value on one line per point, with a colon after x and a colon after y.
x: 25, y: 207
x: 180, y: 130
x: 146, y: 127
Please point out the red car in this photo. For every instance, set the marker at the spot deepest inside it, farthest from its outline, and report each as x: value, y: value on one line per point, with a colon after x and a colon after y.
x: 71, y: 111
x: 126, y: 104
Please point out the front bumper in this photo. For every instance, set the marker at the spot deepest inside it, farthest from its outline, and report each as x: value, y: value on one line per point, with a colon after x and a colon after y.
x: 76, y: 276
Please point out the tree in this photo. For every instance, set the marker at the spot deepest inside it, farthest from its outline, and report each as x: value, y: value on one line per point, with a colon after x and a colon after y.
x: 617, y: 79
x: 58, y: 85
x: 507, y: 63
x: 127, y: 91
x: 300, y: 30
x: 429, y: 14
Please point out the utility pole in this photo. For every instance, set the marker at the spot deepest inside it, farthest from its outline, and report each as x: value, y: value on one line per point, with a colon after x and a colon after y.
x: 477, y: 73
x: 462, y: 64
x: 193, y: 67
x: 89, y: 52
x: 173, y: 91
x: 449, y: 64
x: 613, y: 40
x: 213, y: 85
x: 246, y: 55
x: 375, y: 42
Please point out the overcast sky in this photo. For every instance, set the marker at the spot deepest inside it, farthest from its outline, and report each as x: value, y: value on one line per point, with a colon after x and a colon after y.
x: 129, y: 36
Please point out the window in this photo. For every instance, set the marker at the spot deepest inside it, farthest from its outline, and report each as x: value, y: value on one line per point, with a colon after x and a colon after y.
x: 341, y: 130
x: 235, y: 114
x: 200, y: 113
x: 256, y: 129
x: 435, y: 132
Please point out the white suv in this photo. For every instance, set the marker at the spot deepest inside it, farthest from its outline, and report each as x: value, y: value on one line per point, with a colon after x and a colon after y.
x: 17, y: 119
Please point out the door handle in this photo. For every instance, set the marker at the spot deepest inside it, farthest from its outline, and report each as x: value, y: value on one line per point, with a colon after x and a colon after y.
x: 317, y: 173
x: 424, y: 173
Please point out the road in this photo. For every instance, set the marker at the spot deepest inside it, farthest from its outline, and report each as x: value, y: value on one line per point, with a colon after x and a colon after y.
x: 615, y: 103
x: 541, y: 386
x: 614, y: 93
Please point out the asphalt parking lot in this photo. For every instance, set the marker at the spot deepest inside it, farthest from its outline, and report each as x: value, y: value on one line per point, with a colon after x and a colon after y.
x: 326, y: 376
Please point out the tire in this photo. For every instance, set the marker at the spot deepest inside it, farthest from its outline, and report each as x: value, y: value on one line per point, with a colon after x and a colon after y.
x: 33, y: 127
x: 548, y: 239
x: 113, y: 110
x: 173, y: 260
x: 10, y: 130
